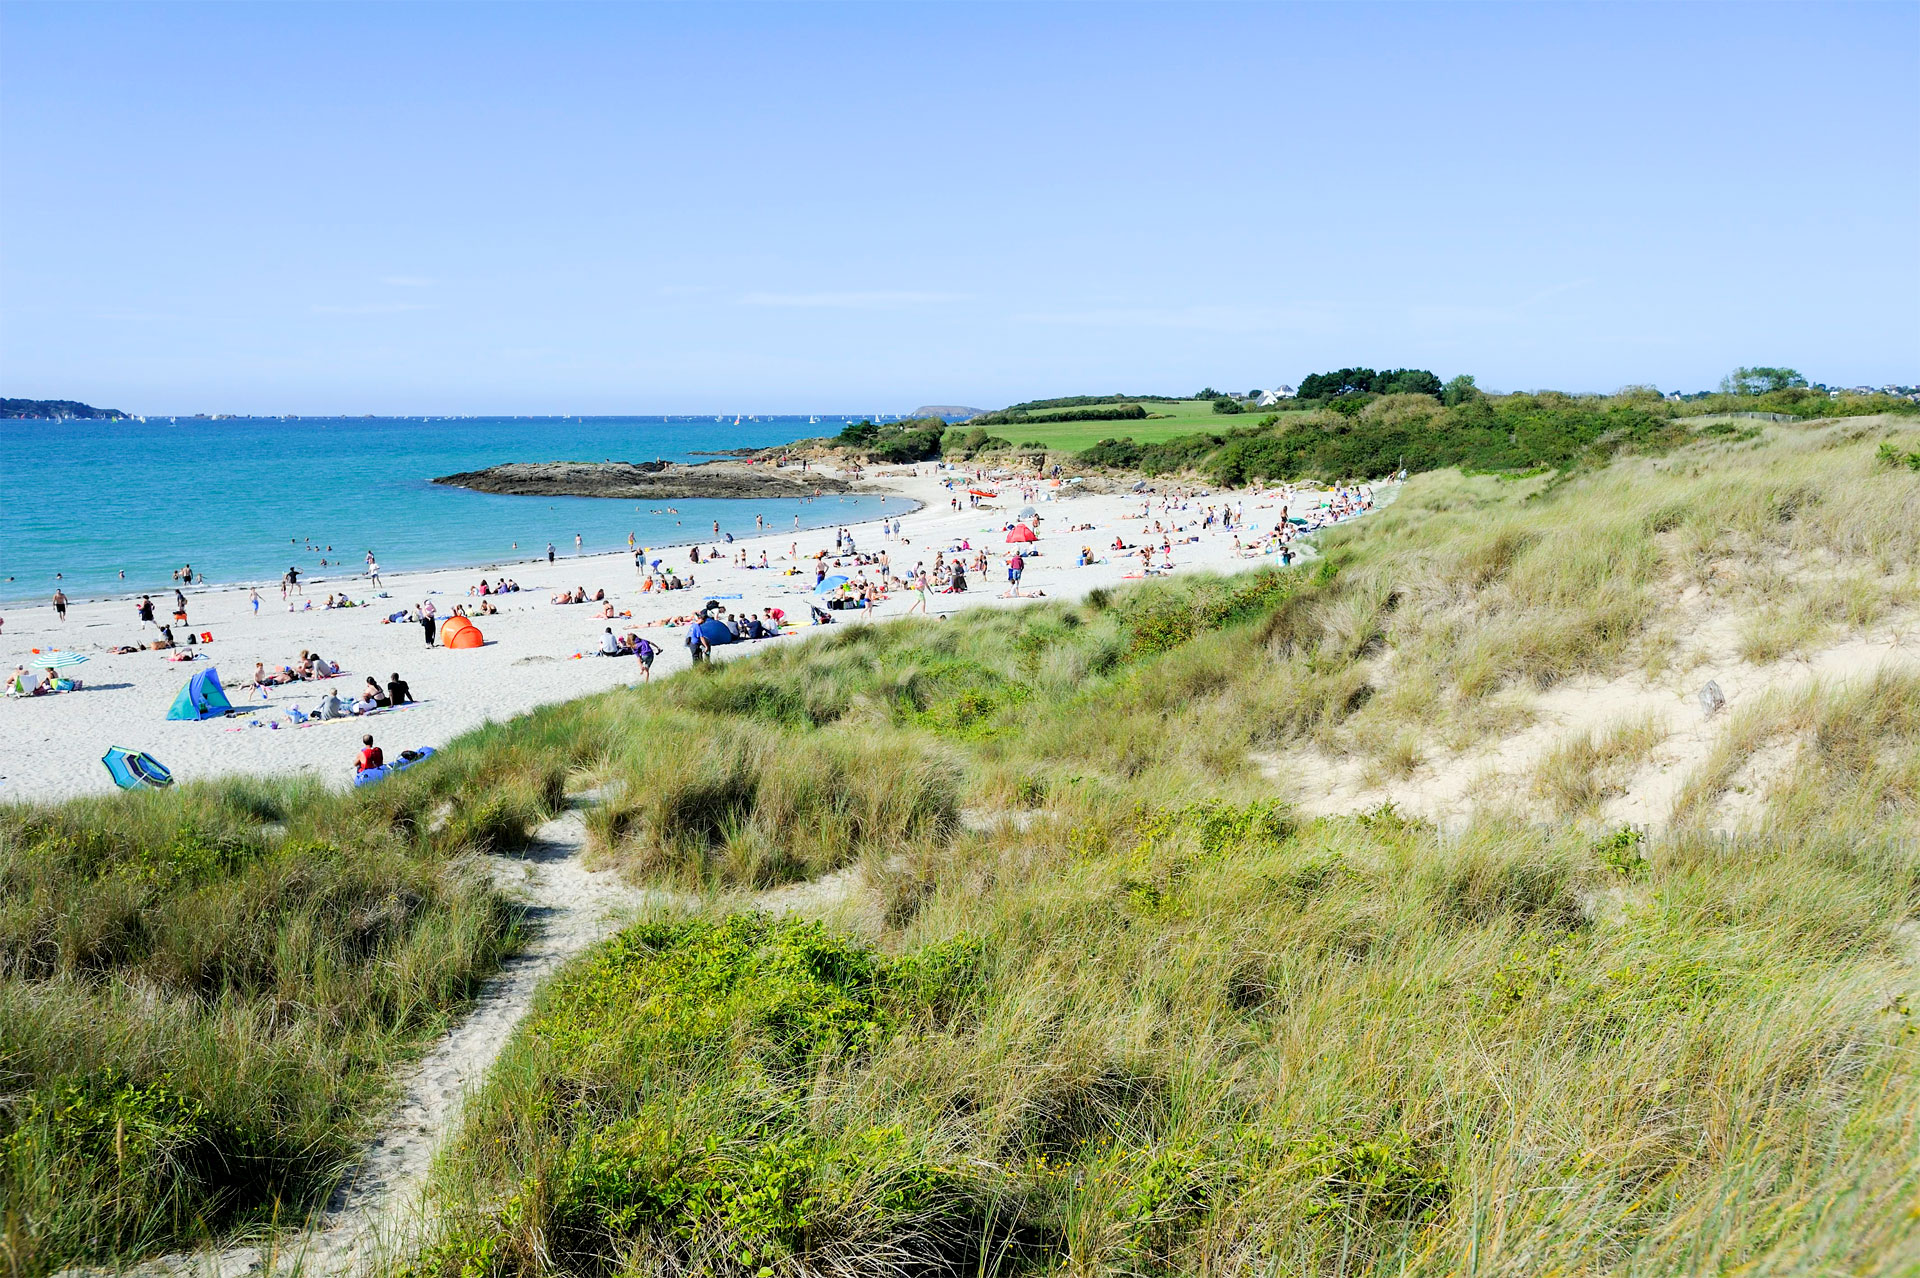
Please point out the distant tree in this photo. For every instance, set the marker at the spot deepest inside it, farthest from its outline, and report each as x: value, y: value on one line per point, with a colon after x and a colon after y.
x: 1760, y: 381
x: 1208, y: 393
x: 1407, y: 381
x: 1225, y: 404
x: 1459, y: 391
x: 855, y: 434
x: 1365, y: 381
x: 1347, y: 381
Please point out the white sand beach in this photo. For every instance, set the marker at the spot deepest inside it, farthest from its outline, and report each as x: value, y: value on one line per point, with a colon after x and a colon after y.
x: 51, y: 746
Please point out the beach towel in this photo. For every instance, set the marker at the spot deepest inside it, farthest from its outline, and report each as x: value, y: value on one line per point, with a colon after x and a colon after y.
x: 367, y: 776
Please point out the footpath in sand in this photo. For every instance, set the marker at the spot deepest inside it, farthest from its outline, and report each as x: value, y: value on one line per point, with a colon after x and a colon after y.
x: 50, y: 747
x: 377, y: 1214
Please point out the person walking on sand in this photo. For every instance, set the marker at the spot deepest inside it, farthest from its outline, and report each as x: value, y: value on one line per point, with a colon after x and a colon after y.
x: 144, y: 610
x: 426, y: 623
x: 254, y: 596
x: 60, y: 603
x: 373, y: 570
x: 549, y: 552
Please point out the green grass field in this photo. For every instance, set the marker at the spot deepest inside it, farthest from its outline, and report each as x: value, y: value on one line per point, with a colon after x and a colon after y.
x: 1168, y: 421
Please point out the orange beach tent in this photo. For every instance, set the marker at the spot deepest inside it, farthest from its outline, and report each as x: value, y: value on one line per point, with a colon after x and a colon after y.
x: 459, y: 632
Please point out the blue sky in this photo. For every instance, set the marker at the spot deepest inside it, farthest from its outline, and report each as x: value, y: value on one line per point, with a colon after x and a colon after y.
x: 584, y: 209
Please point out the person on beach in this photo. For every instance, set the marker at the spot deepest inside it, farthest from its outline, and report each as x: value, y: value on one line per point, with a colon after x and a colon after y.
x: 370, y: 756
x: 373, y: 571
x: 398, y: 694
x: 427, y: 625
x: 576, y: 543
x: 645, y: 652
x: 254, y: 596
x: 549, y: 552
x: 144, y: 610
x: 60, y: 603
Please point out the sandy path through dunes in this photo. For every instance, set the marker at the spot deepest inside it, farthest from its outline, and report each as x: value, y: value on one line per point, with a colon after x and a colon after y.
x: 375, y: 1213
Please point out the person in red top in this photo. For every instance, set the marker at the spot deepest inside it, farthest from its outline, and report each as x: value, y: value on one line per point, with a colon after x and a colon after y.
x: 370, y: 757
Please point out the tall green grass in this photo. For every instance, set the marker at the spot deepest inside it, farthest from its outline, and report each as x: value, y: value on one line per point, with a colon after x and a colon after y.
x: 202, y: 990
x: 1114, y: 1010
x: 1174, y: 1030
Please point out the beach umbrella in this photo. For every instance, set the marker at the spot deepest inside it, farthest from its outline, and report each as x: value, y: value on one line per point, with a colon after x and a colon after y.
x: 131, y: 769
x: 830, y: 584
x: 61, y: 660
x: 1020, y: 532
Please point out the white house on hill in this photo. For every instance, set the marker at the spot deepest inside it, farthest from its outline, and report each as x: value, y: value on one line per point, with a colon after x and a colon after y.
x: 1268, y: 398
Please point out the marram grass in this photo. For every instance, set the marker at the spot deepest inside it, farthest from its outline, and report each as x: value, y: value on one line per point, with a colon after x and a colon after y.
x: 1113, y: 1009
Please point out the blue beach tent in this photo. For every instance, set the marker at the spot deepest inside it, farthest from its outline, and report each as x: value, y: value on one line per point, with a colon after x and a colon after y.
x: 131, y: 769
x: 202, y: 698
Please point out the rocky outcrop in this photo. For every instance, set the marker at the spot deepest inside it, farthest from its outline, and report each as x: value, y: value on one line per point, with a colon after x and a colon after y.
x: 645, y: 481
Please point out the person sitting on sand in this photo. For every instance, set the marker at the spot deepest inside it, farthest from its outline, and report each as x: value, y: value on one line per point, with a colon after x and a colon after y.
x: 370, y: 756
x: 487, y: 609
x: 322, y: 668
x: 330, y: 706
x: 374, y: 690
x: 609, y: 644
x: 165, y: 640
x: 367, y: 703
x: 398, y: 694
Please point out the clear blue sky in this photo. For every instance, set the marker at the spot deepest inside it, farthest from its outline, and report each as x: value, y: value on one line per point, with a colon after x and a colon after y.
x: 579, y: 209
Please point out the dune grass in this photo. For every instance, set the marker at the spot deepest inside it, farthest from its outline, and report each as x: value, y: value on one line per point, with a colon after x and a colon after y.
x: 1158, y: 1025
x: 202, y: 990
x: 1115, y: 1010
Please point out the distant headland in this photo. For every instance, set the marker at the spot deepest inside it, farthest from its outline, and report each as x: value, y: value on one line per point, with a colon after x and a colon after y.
x: 58, y: 410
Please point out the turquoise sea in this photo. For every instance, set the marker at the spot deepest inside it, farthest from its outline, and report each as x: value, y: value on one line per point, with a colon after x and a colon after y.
x: 240, y: 498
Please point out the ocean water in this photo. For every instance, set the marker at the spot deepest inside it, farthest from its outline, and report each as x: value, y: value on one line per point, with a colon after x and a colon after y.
x: 239, y: 499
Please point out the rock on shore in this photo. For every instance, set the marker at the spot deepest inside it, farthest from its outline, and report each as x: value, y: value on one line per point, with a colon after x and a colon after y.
x: 644, y: 480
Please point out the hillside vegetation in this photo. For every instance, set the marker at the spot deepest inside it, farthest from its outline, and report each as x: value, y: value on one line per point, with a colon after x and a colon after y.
x: 1363, y: 435
x: 1094, y: 1000
x: 1099, y: 1004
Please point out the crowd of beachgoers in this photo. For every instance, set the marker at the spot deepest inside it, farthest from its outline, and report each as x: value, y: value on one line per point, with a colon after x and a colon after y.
x: 978, y: 537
